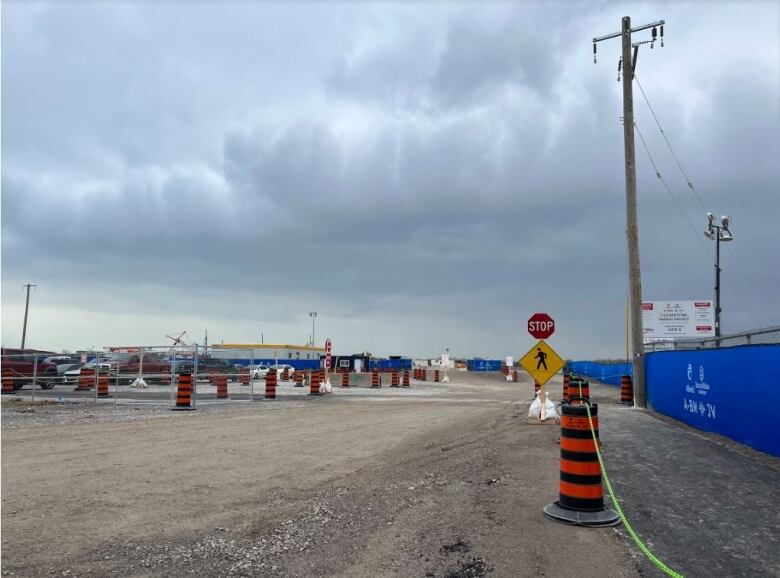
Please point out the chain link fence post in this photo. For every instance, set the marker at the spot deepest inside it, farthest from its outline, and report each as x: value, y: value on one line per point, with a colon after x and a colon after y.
x: 97, y: 375
x: 251, y: 376
x: 195, y: 378
x: 35, y: 374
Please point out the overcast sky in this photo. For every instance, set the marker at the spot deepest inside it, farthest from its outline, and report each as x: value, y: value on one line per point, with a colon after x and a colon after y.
x: 421, y: 175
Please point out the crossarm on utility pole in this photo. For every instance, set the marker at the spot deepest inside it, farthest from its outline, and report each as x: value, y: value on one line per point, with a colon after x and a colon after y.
x: 637, y: 29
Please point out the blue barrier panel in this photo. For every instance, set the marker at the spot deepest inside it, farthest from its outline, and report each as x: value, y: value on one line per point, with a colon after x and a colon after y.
x: 379, y: 363
x: 268, y: 362
x: 483, y: 364
x: 731, y: 391
x: 604, y: 372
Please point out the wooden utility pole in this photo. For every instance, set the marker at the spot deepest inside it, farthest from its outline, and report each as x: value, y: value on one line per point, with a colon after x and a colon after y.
x: 632, y: 226
x: 26, y: 307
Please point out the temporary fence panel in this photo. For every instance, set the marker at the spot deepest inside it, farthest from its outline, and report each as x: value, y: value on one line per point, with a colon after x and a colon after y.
x: 730, y: 391
x: 30, y: 370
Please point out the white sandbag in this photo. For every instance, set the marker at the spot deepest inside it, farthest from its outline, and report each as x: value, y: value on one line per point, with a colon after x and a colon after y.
x: 550, y: 409
x: 139, y: 382
x: 509, y: 377
x: 326, y: 387
x: 535, y: 410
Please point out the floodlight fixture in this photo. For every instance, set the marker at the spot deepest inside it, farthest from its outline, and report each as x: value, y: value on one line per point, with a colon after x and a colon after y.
x: 718, y: 233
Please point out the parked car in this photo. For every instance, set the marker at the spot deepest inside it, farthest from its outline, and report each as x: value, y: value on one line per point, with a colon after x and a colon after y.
x: 21, y: 363
x: 71, y: 376
x: 181, y: 364
x: 262, y: 371
x: 60, y: 359
x: 64, y: 367
x: 208, y: 364
x: 130, y: 365
x: 258, y: 371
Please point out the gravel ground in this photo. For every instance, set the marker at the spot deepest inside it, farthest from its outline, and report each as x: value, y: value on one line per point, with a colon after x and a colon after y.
x: 24, y: 414
x: 439, y: 481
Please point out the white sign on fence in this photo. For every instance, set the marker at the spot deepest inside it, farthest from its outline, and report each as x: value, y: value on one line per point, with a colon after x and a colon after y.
x: 669, y: 320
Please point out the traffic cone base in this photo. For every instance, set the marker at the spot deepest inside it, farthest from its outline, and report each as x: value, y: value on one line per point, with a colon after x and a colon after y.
x: 601, y: 519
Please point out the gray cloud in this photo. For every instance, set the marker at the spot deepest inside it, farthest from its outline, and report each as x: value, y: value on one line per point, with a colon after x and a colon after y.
x: 422, y: 176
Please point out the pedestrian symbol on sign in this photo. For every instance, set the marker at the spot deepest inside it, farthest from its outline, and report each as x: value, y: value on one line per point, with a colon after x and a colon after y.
x: 542, y: 357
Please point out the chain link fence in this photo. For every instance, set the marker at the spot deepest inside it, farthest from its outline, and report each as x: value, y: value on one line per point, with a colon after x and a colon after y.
x: 766, y: 336
x: 122, y: 374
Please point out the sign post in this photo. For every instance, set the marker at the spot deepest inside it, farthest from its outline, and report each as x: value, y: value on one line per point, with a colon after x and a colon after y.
x: 541, y: 362
x: 445, y: 362
x: 328, y: 347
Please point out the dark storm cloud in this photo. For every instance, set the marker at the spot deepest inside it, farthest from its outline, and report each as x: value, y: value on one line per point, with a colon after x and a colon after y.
x: 385, y: 165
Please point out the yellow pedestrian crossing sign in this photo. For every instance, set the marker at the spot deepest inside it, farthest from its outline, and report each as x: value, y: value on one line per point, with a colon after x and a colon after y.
x: 542, y: 362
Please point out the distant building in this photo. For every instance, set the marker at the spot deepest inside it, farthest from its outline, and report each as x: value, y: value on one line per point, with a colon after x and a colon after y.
x: 354, y: 362
x: 299, y: 356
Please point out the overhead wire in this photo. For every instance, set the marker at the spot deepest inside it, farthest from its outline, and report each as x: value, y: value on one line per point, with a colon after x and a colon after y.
x: 669, y: 190
x: 668, y: 144
x: 688, y: 220
x: 689, y: 182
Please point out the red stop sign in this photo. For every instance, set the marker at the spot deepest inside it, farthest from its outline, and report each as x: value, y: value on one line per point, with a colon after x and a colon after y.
x: 541, y: 325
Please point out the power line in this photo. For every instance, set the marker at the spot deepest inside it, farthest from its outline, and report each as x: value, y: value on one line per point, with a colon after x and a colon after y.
x: 690, y: 223
x: 688, y: 181
x: 669, y: 190
x: 668, y: 144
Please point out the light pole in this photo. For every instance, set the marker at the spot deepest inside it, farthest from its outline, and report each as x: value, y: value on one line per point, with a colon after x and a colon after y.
x: 718, y: 233
x: 313, y: 315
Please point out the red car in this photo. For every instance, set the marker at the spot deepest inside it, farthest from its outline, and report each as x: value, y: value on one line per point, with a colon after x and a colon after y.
x: 21, y: 363
x: 128, y: 366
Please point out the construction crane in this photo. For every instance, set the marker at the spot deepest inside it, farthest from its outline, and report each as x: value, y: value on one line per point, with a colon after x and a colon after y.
x: 179, y: 346
x: 178, y: 340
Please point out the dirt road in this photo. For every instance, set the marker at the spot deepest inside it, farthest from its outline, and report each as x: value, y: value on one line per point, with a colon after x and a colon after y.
x: 441, y: 480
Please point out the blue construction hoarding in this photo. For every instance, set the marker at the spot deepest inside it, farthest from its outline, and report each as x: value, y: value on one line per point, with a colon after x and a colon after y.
x: 731, y: 391
x: 604, y: 372
x: 483, y: 364
x: 392, y: 363
x: 301, y: 364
